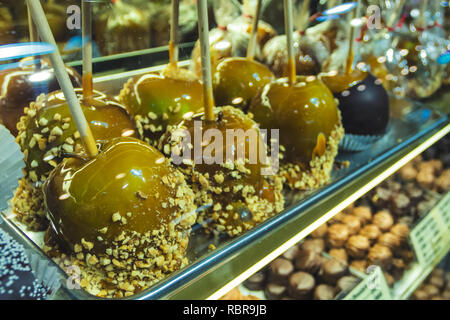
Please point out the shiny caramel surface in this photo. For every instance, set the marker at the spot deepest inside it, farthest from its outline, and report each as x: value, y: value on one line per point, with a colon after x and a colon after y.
x: 20, y: 86
x: 50, y: 125
x: 162, y: 100
x: 338, y: 82
x: 237, y: 80
x: 125, y: 181
x: 305, y: 114
x: 229, y: 118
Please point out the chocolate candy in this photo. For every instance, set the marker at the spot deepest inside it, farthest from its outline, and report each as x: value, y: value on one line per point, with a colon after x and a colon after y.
x: 280, y: 270
x: 324, y: 292
x: 256, y: 281
x: 364, y: 107
x: 301, y: 285
x: 332, y: 270
x: 275, y: 291
x: 308, y: 261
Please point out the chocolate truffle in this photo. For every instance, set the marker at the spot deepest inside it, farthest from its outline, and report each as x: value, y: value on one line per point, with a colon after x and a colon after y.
x: 408, y: 172
x: 383, y: 220
x: 400, y: 204
x: 347, y: 283
x: 389, y: 240
x: 275, y: 291
x: 291, y: 253
x: 365, y: 107
x: 371, y: 232
x: 332, y: 270
x: 401, y: 230
x: 431, y: 290
x: 301, y: 285
x: 380, y: 255
x: 308, y: 261
x: 337, y: 235
x: 352, y: 222
x: 398, y: 267
x: 363, y: 213
x: 280, y: 270
x: 357, y: 246
x: 389, y: 279
x: 256, y: 281
x: 324, y: 292
x: 317, y: 245
x: 437, y: 281
x: 339, y: 254
x: 446, y: 294
x: 406, y: 254
x: 320, y: 232
x: 420, y: 294
x: 360, y: 265
x: 381, y: 197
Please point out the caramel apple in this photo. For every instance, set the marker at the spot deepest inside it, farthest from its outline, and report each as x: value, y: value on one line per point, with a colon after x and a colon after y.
x: 275, y: 57
x: 231, y: 41
x: 21, y: 86
x: 237, y: 81
x: 157, y: 102
x: 131, y: 221
x: 130, y: 189
x: 47, y: 134
x: 307, y: 111
x: 239, y: 194
x: 47, y: 129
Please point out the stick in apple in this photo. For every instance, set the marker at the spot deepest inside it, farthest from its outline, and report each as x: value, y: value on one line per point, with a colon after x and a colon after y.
x: 46, y: 35
x: 289, y: 28
x: 202, y: 10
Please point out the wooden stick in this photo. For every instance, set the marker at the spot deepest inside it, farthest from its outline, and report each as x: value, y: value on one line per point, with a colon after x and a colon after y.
x: 173, y: 44
x: 289, y: 29
x: 423, y: 9
x: 86, y: 32
x: 254, y: 35
x: 304, y: 16
x: 351, y: 39
x: 34, y: 36
x: 396, y: 14
x: 63, y: 78
x: 206, y: 59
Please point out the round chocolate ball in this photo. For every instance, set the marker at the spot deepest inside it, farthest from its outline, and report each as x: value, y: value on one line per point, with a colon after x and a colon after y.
x: 275, y: 291
x: 301, y: 285
x: 324, y: 292
x: 280, y: 270
x: 256, y: 281
x: 364, y: 107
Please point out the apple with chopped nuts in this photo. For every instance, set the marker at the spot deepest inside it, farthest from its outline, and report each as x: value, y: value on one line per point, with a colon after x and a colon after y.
x: 47, y: 130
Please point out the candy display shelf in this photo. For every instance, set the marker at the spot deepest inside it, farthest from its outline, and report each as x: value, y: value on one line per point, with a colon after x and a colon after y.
x: 428, y: 256
x: 212, y: 273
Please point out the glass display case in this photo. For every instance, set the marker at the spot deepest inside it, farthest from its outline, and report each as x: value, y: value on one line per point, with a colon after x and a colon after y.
x: 131, y: 45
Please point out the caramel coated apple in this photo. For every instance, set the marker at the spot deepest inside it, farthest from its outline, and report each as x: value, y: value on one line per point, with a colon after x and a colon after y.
x: 157, y: 102
x: 47, y: 130
x: 129, y: 190
x: 237, y: 81
x: 21, y: 86
x: 226, y: 173
x: 305, y: 113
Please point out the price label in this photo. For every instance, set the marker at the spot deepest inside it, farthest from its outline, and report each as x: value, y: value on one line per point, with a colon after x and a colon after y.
x: 430, y: 236
x: 373, y: 287
x: 443, y: 212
